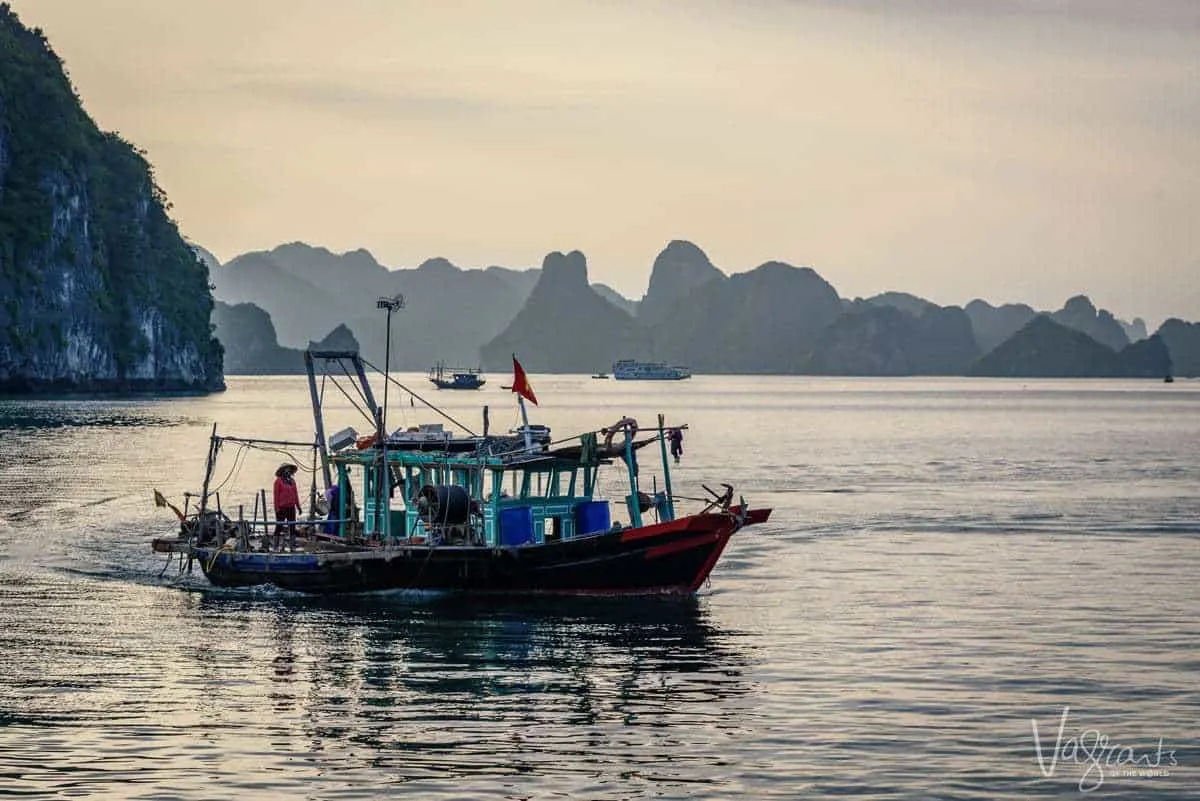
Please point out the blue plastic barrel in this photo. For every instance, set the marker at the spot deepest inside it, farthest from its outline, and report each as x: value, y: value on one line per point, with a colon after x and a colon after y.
x: 592, y: 517
x: 516, y: 526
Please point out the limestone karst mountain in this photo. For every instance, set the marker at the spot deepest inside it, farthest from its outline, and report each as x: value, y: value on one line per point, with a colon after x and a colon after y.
x: 994, y: 324
x: 1045, y: 348
x: 680, y: 268
x: 1100, y: 324
x: 251, y: 347
x: 776, y: 318
x: 758, y: 321
x: 309, y: 290
x: 1183, y: 342
x: 883, y: 339
x: 100, y: 291
x: 565, y: 326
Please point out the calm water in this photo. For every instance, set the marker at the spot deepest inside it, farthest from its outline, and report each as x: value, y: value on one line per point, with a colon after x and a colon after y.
x: 948, y: 559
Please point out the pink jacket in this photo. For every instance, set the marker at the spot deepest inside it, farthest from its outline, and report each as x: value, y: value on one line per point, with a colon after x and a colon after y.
x: 286, y: 494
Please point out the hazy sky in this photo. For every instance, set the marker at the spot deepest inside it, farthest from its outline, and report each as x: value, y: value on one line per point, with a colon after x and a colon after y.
x: 1011, y: 149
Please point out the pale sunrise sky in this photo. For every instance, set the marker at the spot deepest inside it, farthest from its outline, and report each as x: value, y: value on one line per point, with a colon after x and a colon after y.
x: 1016, y: 150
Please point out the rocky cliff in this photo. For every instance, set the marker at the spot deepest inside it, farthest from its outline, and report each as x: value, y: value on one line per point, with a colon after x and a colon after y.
x: 100, y: 292
x: 251, y: 347
x: 566, y: 326
x: 882, y: 339
x: 761, y: 321
x: 680, y: 268
x: 1099, y: 324
x: 308, y: 290
x: 1183, y: 341
x: 994, y: 324
x: 1046, y: 348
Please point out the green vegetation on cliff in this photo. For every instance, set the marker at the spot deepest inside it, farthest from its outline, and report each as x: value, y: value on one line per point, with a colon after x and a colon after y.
x: 101, y: 292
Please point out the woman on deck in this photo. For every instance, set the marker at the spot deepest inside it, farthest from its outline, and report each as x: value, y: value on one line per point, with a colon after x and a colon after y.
x: 287, y: 501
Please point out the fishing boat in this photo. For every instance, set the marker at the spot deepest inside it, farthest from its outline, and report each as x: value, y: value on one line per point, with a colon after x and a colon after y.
x: 633, y: 370
x: 600, y: 375
x: 444, y: 377
x: 509, y: 514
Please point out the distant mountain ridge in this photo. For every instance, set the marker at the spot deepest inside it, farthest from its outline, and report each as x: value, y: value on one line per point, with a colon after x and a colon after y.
x: 307, y: 291
x: 1045, y: 348
x: 251, y: 346
x: 775, y: 318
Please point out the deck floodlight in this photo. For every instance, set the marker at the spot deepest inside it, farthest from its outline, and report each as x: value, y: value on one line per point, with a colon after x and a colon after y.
x: 391, y: 304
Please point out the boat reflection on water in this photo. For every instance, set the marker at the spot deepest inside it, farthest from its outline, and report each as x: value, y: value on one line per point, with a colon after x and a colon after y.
x: 450, y: 686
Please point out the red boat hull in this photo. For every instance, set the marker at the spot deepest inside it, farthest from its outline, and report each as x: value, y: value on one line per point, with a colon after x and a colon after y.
x: 673, y: 557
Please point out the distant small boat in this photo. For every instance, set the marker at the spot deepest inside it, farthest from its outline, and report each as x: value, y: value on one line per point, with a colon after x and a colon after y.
x: 633, y: 370
x: 444, y: 377
x: 1169, y: 379
x: 600, y: 375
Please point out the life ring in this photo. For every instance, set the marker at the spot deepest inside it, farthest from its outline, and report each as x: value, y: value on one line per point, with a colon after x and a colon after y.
x: 625, y: 424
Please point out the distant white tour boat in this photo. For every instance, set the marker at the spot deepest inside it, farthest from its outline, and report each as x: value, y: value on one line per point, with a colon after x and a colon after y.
x: 633, y: 370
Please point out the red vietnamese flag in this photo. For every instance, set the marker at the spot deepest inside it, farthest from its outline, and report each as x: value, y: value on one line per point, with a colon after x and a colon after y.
x: 520, y: 383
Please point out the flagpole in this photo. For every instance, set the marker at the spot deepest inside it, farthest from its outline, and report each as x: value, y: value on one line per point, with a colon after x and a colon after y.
x: 525, y: 423
x: 523, y: 390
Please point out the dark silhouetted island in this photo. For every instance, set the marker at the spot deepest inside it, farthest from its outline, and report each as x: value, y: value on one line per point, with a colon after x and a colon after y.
x: 1183, y: 341
x: 1045, y: 348
x: 885, y: 340
x: 309, y: 290
x: 565, y: 326
x: 252, y: 348
x: 761, y: 321
x: 776, y: 318
x: 1079, y: 313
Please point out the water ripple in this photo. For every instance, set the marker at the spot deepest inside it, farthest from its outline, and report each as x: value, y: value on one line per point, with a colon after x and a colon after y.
x: 947, y: 562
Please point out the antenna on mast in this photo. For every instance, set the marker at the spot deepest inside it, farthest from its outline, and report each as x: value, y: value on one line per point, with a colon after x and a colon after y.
x: 394, y: 303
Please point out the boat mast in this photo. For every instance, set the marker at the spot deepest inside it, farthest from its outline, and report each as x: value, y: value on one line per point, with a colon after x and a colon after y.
x: 310, y: 357
x: 383, y: 486
x: 669, y: 506
x: 634, y: 503
x: 209, y: 464
x: 317, y: 418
